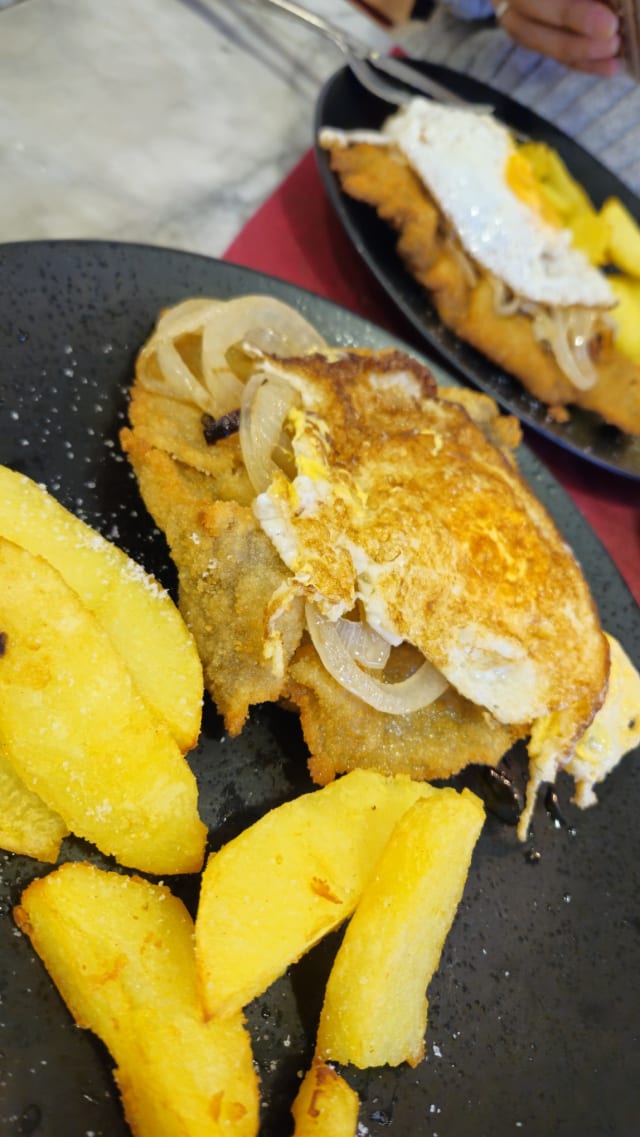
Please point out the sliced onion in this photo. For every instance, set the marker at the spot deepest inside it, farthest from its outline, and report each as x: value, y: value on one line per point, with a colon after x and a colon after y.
x: 247, y: 317
x: 505, y: 302
x: 364, y: 644
x: 419, y: 690
x: 162, y: 368
x: 266, y: 401
x: 187, y: 317
x: 225, y: 386
x: 178, y: 380
x: 567, y: 331
x: 263, y: 321
x: 568, y: 334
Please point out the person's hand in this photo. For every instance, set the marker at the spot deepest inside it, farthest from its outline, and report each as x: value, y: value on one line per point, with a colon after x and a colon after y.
x: 582, y: 34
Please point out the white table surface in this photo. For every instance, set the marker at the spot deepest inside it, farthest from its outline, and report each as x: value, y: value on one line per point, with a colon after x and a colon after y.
x: 161, y: 121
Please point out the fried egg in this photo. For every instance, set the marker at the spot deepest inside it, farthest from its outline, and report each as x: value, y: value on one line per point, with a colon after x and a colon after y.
x: 471, y: 165
x: 614, y: 731
x: 401, y: 506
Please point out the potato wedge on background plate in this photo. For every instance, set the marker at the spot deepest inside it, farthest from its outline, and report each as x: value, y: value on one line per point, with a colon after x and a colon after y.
x: 77, y: 732
x: 375, y: 1006
x: 120, y: 951
x: 138, y: 615
x: 624, y: 236
x: 275, y: 890
x: 627, y: 314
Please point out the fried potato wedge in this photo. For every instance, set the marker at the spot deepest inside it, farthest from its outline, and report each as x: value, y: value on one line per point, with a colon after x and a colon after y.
x: 627, y: 314
x: 78, y: 733
x: 375, y: 1006
x: 325, y: 1105
x: 541, y: 179
x: 120, y: 951
x: 274, y: 891
x: 138, y: 615
x: 552, y: 175
x: 624, y: 236
x: 27, y: 825
x: 591, y: 234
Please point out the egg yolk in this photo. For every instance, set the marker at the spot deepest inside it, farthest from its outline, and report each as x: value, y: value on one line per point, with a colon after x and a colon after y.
x: 522, y: 181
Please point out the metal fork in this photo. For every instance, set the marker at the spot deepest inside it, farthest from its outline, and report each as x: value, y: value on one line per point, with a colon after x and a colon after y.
x: 371, y: 68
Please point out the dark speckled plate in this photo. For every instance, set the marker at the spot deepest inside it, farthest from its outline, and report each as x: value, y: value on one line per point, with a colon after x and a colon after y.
x: 535, y: 1010
x: 344, y: 103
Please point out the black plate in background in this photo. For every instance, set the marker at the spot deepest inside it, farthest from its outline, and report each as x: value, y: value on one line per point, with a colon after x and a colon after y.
x: 345, y: 104
x: 535, y: 1009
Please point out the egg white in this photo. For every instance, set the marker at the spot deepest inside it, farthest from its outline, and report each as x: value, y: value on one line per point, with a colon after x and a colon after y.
x: 461, y: 157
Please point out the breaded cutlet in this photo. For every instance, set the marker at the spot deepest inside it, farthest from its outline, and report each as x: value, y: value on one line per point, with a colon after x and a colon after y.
x: 381, y: 178
x: 399, y: 505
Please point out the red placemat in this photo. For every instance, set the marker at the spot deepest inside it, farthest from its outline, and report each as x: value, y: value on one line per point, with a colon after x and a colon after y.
x: 295, y: 236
